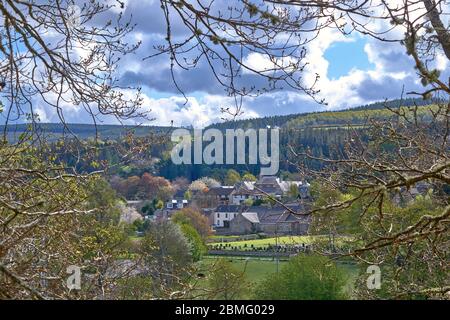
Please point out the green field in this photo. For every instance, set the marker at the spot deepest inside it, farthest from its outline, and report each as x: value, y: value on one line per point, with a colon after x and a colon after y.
x: 216, y: 238
x: 284, y: 240
x: 262, y: 243
x: 256, y: 269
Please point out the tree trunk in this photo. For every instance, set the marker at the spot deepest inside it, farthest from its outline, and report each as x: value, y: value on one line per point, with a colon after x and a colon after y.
x: 442, y: 33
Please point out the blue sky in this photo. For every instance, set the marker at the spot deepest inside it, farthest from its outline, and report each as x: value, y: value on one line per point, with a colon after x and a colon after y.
x: 353, y: 70
x: 345, y: 56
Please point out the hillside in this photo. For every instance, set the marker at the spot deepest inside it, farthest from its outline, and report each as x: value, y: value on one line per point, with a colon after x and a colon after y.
x: 323, y: 117
x: 339, y: 117
x: 84, y: 131
x: 323, y: 133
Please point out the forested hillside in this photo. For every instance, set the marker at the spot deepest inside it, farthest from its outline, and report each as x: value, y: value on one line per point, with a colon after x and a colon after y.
x: 82, y: 131
x: 108, y: 131
x: 322, y: 133
x: 279, y: 121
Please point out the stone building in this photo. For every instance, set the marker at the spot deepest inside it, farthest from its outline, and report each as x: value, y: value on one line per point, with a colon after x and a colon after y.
x: 293, y: 220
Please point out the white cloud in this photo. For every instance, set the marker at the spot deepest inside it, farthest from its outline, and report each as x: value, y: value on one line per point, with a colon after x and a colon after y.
x: 442, y: 62
x: 261, y: 63
x: 198, y: 112
x: 391, y: 65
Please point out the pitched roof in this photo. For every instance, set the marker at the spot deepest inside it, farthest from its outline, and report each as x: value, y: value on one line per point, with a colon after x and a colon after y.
x: 279, y: 214
x: 267, y: 180
x: 268, y: 184
x: 244, y: 188
x: 221, y: 191
x: 229, y: 208
x: 285, y: 217
x: 268, y: 189
x: 251, y: 216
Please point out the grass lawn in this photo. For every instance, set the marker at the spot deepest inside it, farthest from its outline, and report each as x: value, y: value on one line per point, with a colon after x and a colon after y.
x: 352, y: 272
x: 217, y: 238
x: 283, y: 240
x: 262, y: 243
x: 256, y: 269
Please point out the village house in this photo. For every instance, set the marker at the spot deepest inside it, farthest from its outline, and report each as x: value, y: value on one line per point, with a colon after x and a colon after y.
x: 302, y: 187
x: 219, y: 196
x: 224, y: 214
x: 228, y: 211
x: 178, y: 201
x: 292, y: 220
x: 244, y: 191
x: 267, y: 186
x: 244, y: 223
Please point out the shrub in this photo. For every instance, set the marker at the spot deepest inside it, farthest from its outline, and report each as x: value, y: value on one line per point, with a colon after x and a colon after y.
x: 305, y: 277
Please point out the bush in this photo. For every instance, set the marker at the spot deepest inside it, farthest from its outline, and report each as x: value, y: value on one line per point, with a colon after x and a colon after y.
x: 226, y: 282
x: 198, y: 248
x: 305, y: 277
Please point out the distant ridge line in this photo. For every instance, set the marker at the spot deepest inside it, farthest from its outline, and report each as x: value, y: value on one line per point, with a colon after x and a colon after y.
x: 114, y: 130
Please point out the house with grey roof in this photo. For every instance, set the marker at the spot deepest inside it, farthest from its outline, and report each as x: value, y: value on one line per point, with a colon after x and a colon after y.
x: 291, y: 219
x: 245, y: 223
x: 178, y: 201
x: 267, y: 186
x: 220, y: 195
x: 223, y: 214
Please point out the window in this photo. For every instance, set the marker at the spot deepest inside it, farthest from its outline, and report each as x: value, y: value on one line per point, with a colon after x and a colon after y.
x: 226, y: 215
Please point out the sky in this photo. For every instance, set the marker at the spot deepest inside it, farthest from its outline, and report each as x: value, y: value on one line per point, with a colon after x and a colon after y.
x: 342, y: 57
x: 354, y: 70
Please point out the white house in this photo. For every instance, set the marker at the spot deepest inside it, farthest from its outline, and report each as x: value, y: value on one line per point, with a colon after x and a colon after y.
x: 178, y: 201
x: 243, y: 191
x: 177, y: 204
x: 224, y: 214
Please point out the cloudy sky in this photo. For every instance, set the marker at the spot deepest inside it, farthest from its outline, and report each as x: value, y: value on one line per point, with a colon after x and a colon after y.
x: 353, y: 70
